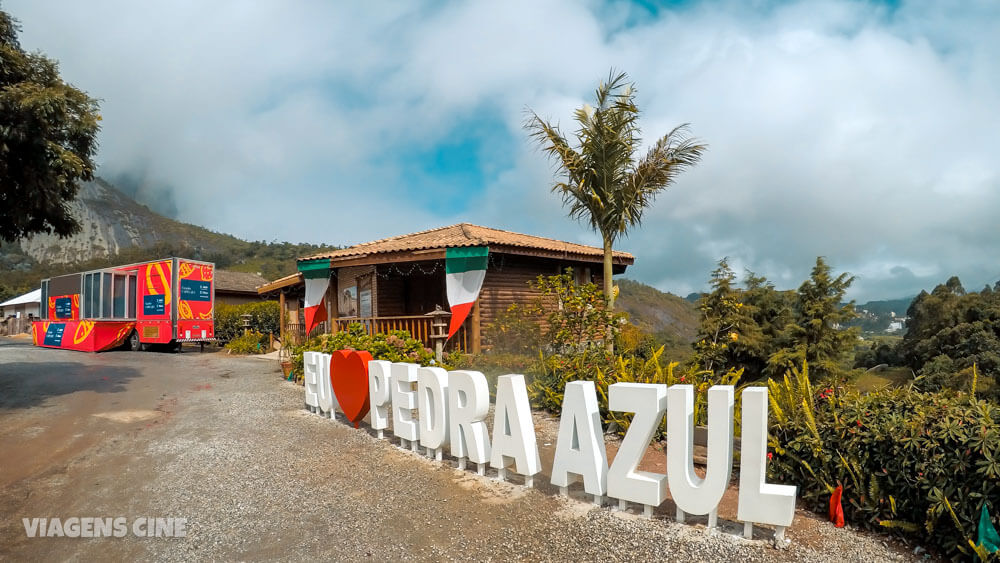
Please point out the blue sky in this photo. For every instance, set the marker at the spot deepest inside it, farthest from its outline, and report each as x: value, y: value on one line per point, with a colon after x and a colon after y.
x: 866, y: 132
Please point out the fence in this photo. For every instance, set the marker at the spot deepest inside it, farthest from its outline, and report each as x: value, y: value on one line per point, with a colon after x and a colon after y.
x: 419, y: 327
x: 13, y: 325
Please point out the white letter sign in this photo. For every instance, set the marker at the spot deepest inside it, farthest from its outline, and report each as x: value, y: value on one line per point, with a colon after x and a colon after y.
x: 310, y: 377
x: 468, y: 405
x: 379, y: 394
x: 625, y: 483
x: 324, y: 387
x: 514, y: 430
x: 692, y: 494
x: 580, y: 448
x: 759, y: 501
x: 404, y: 400
x: 432, y: 392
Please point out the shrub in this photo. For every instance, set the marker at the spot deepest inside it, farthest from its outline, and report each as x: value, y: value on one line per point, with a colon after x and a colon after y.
x: 265, y: 317
x: 910, y: 462
x: 580, y: 319
x: 252, y: 342
x: 395, y: 346
x: 604, y: 369
x: 516, y: 330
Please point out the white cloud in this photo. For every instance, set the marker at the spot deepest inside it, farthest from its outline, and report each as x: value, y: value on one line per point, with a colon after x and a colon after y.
x: 845, y: 129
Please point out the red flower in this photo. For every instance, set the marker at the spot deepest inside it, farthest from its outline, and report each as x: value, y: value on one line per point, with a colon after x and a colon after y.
x: 682, y: 379
x: 770, y: 455
x: 859, y: 423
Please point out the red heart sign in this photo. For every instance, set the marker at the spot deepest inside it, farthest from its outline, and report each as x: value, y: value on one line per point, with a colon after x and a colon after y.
x: 349, y: 377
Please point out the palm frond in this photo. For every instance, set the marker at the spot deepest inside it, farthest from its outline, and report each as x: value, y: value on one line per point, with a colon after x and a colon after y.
x: 672, y: 154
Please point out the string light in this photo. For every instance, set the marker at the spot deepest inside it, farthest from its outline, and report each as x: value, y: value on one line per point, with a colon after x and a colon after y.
x: 394, y: 269
x: 387, y: 271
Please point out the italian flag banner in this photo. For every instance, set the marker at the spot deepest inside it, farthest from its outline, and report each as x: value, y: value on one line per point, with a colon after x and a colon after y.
x: 317, y: 278
x: 465, y: 269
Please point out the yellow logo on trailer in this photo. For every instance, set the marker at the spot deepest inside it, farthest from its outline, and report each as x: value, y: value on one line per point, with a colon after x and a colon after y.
x: 87, y: 327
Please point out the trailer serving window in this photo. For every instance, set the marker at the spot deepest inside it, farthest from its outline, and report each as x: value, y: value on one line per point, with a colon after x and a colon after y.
x: 43, y: 309
x: 118, y: 288
x: 131, y: 295
x: 91, y: 300
x: 106, y: 296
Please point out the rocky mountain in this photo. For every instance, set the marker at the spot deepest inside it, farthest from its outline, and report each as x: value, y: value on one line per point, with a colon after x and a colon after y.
x: 115, y: 229
x: 111, y: 222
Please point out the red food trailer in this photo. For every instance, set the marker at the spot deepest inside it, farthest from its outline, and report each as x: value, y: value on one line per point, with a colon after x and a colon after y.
x: 166, y: 301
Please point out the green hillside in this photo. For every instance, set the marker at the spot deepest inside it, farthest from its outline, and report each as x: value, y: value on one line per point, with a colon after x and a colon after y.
x: 671, y: 320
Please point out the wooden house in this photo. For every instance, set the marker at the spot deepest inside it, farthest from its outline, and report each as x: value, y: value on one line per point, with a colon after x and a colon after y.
x: 393, y: 283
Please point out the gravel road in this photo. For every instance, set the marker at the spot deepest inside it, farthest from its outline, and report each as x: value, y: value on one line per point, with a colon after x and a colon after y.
x: 224, y: 443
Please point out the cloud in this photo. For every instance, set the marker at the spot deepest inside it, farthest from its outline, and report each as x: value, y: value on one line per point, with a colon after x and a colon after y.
x: 862, y: 132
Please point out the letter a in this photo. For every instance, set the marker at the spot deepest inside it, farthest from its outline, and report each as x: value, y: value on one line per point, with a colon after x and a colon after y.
x: 580, y: 448
x: 513, y: 430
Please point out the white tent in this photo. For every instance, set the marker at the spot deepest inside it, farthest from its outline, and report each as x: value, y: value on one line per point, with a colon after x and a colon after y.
x: 23, y: 305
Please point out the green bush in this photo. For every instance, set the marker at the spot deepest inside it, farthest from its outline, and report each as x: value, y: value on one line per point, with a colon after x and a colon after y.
x: 910, y: 462
x: 250, y: 343
x: 396, y: 346
x: 516, y: 330
x: 553, y: 372
x: 265, y: 317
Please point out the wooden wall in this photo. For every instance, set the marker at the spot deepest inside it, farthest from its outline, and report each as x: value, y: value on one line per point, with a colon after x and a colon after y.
x: 391, y: 302
x: 347, y: 277
x: 508, y: 278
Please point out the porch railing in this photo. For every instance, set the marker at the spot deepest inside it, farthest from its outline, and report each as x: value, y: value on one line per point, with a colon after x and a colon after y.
x: 419, y: 327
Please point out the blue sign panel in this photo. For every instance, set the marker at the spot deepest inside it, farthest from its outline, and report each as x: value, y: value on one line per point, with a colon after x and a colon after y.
x: 64, y: 308
x: 54, y: 334
x: 193, y: 290
x: 153, y: 305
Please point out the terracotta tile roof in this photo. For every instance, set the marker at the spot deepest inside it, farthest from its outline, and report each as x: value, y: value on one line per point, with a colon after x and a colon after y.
x: 466, y: 234
x: 240, y: 282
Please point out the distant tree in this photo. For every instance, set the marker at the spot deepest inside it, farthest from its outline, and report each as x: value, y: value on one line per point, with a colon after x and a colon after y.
x: 726, y: 329
x: 771, y: 311
x: 816, y: 334
x: 949, y: 330
x: 6, y: 292
x: 48, y: 135
x: 603, y: 181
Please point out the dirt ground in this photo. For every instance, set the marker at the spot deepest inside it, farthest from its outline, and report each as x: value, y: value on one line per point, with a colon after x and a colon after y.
x: 224, y: 443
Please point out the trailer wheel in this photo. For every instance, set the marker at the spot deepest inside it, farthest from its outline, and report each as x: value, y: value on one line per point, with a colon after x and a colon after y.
x: 133, y: 342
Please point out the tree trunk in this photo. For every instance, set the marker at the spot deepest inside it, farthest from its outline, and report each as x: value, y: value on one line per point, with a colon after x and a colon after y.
x: 609, y: 293
x: 608, y: 268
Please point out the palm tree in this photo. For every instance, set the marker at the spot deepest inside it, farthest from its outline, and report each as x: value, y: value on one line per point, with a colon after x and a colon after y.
x: 602, y: 180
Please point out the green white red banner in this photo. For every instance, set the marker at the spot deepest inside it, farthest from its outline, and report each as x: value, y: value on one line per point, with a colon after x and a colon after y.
x: 317, y: 277
x: 465, y: 270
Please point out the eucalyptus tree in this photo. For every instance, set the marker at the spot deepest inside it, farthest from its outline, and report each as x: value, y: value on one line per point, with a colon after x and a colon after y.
x: 602, y: 179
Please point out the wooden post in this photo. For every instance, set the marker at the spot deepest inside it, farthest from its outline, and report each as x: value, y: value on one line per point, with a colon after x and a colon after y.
x: 476, y: 334
x: 283, y: 316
